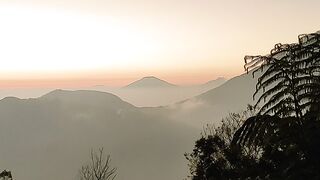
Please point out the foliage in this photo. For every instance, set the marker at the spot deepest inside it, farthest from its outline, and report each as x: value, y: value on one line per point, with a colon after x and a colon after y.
x: 290, y: 82
x: 99, y: 167
x: 6, y: 175
x: 213, y: 157
x: 280, y: 141
x: 290, y: 79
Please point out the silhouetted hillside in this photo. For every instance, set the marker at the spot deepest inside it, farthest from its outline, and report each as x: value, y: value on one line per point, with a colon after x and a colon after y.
x: 146, y: 92
x: 153, y: 92
x: 214, y: 83
x: 213, y: 105
x: 49, y: 137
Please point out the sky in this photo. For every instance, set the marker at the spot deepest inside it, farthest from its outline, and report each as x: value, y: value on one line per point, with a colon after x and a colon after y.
x: 52, y: 43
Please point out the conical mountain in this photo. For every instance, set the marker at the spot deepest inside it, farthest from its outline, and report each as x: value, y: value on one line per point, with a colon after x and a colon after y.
x: 210, y: 107
x: 150, y: 82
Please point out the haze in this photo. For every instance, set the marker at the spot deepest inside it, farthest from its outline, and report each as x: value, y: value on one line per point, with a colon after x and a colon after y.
x: 116, y: 42
x: 143, y: 79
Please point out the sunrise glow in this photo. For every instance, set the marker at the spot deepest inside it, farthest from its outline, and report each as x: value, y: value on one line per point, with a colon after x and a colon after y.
x: 34, y: 40
x: 187, y: 43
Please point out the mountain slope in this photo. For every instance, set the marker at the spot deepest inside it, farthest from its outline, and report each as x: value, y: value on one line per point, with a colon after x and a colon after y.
x: 236, y: 92
x: 214, y: 83
x: 213, y: 105
x: 147, y: 92
x: 51, y: 137
x: 153, y: 92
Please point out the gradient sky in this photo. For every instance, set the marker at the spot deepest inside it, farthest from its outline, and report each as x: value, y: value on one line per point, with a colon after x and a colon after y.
x: 87, y: 42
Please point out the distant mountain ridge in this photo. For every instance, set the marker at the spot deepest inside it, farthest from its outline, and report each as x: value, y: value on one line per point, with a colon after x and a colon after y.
x: 214, y: 83
x: 150, y: 82
x: 62, y: 127
x: 86, y: 97
x: 213, y: 105
x: 146, y: 92
x: 152, y: 92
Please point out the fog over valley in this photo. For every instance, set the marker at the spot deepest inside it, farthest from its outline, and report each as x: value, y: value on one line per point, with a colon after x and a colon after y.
x: 146, y: 92
x: 62, y: 126
x: 159, y: 90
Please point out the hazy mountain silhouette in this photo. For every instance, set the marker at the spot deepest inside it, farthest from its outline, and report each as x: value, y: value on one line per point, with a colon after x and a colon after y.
x: 41, y: 134
x: 146, y: 92
x: 237, y: 91
x: 153, y: 92
x: 24, y: 92
x: 150, y: 82
x: 50, y: 137
x: 213, y: 105
x: 214, y: 83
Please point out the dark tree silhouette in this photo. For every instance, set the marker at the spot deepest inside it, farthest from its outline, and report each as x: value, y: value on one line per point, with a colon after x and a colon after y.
x: 213, y: 157
x: 6, y: 175
x: 290, y: 79
x: 287, y: 126
x: 290, y: 86
x: 99, y: 167
x: 280, y: 141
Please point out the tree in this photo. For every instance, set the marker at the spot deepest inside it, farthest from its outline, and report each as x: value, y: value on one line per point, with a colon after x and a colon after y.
x: 288, y: 124
x: 281, y: 140
x: 6, y: 175
x: 289, y: 86
x: 213, y: 157
x: 99, y: 167
x: 290, y: 79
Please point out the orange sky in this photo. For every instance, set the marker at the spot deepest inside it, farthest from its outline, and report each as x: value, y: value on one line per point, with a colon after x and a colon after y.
x: 72, y: 43
x: 88, y: 79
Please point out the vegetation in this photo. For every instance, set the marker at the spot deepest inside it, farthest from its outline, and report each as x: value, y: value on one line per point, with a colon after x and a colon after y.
x: 282, y: 139
x: 213, y: 155
x: 99, y: 167
x: 6, y: 175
